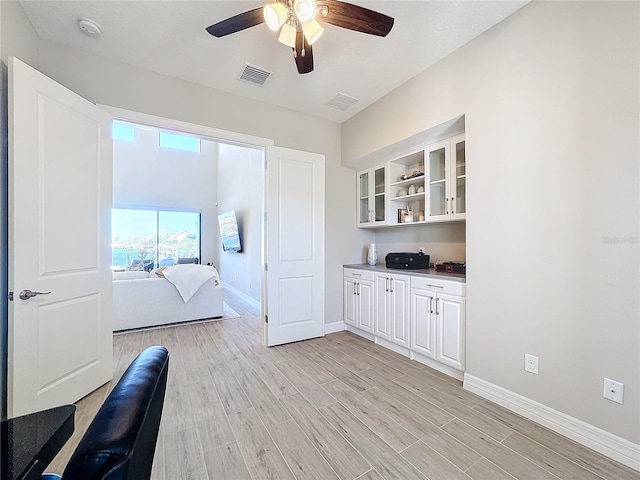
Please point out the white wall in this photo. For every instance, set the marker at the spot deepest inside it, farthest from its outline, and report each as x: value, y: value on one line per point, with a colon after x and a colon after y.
x: 111, y: 83
x: 147, y: 175
x: 551, y: 100
x: 241, y: 188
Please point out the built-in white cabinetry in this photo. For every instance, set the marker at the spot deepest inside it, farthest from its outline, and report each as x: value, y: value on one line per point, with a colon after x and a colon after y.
x: 420, y: 316
x: 425, y: 185
x: 372, y: 204
x: 438, y: 320
x: 358, y: 299
x: 392, y: 308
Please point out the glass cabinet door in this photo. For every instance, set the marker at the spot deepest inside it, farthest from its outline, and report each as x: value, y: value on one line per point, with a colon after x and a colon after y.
x: 379, y: 187
x: 460, y: 176
x: 438, y: 200
x: 363, y: 196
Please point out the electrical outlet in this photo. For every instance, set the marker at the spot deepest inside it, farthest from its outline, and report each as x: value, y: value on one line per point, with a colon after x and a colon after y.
x: 613, y: 390
x: 531, y: 363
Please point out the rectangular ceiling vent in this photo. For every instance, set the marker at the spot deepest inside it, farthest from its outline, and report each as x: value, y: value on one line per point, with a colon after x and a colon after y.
x: 341, y: 101
x: 254, y: 75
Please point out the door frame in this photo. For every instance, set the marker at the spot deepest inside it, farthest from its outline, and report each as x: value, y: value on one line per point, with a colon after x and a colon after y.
x: 216, y: 135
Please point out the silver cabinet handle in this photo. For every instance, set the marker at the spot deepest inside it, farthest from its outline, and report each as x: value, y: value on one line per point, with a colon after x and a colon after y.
x: 434, y: 286
x: 453, y: 208
x: 430, y: 304
x: 446, y: 206
x: 391, y: 285
x: 437, y: 313
x: 386, y: 284
x: 354, y: 288
x: 358, y: 289
x: 27, y: 294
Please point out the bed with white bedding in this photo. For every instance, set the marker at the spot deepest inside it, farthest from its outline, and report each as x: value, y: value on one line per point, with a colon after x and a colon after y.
x: 144, y: 299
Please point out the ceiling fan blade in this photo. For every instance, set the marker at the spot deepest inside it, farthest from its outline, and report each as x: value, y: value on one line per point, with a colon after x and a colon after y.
x: 353, y: 17
x: 303, y: 54
x: 237, y: 23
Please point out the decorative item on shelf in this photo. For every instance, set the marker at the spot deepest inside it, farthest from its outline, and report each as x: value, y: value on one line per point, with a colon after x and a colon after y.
x: 372, y: 256
x: 412, y: 190
x: 409, y: 217
x: 414, y: 174
x: 421, y: 216
x: 421, y: 189
x: 401, y: 193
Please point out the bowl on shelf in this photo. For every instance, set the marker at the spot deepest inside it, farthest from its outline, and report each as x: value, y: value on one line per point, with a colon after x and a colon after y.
x: 401, y: 193
x: 421, y: 189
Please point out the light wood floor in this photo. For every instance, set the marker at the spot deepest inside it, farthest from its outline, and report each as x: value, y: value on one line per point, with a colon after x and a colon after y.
x: 333, y: 407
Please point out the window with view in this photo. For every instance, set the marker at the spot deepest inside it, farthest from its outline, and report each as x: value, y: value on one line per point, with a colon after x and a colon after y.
x: 147, y: 239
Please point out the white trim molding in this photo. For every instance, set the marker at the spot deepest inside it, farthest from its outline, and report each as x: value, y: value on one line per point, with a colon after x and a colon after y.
x: 612, y: 446
x: 251, y: 301
x: 334, y: 327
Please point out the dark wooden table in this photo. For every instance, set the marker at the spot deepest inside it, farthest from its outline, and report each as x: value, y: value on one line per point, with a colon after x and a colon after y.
x: 29, y: 443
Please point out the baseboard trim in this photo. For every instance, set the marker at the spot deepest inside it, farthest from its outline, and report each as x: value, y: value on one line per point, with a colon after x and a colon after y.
x: 334, y: 327
x: 612, y: 446
x: 251, y: 301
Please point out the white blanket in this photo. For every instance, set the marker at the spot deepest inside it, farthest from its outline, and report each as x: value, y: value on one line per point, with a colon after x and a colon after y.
x: 189, y: 278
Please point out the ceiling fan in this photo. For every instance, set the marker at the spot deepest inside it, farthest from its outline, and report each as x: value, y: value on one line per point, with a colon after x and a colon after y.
x: 299, y: 27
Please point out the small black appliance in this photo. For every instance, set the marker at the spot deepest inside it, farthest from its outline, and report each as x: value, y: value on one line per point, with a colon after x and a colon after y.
x: 407, y: 260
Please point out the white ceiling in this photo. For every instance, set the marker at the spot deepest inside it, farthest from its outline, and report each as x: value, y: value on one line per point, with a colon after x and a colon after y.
x: 169, y: 37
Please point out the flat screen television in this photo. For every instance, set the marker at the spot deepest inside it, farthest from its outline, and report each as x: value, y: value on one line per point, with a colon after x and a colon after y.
x: 229, y: 233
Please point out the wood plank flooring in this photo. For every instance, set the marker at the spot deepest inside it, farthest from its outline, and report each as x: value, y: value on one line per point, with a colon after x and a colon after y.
x: 337, y: 407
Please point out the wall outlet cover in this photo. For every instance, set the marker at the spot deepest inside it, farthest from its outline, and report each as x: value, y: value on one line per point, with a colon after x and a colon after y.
x: 531, y: 363
x: 613, y: 391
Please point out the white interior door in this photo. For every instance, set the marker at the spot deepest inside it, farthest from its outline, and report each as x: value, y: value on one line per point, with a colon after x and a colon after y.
x: 295, y: 246
x: 60, y: 171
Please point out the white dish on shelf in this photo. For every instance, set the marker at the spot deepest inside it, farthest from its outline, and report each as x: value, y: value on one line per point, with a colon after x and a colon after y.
x: 401, y: 193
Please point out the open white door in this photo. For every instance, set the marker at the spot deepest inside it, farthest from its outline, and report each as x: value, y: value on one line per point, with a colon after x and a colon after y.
x: 60, y: 174
x: 295, y: 246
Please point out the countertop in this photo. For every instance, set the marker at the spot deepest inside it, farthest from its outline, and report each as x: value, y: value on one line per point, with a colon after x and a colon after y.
x: 430, y: 273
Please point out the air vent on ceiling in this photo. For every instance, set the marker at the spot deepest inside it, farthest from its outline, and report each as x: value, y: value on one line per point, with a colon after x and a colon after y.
x: 341, y: 101
x: 254, y: 75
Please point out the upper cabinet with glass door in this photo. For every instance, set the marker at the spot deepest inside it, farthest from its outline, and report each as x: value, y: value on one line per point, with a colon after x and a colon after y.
x: 372, y: 201
x: 446, y: 180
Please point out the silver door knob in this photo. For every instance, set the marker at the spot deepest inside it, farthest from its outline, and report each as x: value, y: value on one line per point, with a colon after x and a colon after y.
x: 27, y: 294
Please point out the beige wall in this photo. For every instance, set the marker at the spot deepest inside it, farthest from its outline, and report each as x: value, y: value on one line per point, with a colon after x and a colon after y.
x: 551, y: 103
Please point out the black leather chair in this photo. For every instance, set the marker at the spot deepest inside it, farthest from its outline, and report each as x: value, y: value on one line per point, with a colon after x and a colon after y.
x: 121, y: 440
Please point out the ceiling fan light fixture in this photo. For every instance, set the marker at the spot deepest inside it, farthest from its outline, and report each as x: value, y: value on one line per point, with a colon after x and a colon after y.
x: 275, y: 14
x: 305, y: 10
x: 288, y: 35
x: 312, y: 31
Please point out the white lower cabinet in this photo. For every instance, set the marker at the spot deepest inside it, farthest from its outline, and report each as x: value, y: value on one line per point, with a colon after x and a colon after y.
x: 392, y: 308
x: 438, y: 321
x: 358, y: 299
x: 422, y: 315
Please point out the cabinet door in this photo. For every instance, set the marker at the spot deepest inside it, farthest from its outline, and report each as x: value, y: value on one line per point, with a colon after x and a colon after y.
x: 399, y: 292
x: 437, y: 165
x: 383, y: 306
x: 364, y: 206
x: 422, y: 322
x: 379, y: 192
x: 365, y: 305
x: 350, y: 302
x: 450, y: 318
x: 458, y: 184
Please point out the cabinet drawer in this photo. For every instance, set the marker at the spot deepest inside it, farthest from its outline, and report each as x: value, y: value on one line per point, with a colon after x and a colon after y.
x: 441, y: 286
x: 358, y: 274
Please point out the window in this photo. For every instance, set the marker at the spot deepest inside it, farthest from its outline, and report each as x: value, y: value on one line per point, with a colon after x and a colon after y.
x: 147, y: 239
x: 123, y: 131
x: 181, y: 142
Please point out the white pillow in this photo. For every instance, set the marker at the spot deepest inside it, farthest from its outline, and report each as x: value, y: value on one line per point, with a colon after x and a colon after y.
x: 130, y: 275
